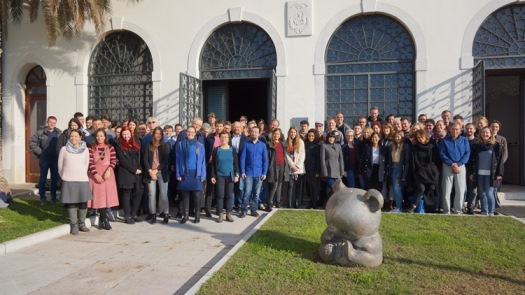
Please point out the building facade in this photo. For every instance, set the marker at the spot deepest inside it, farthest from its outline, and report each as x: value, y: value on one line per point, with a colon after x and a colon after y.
x: 291, y: 60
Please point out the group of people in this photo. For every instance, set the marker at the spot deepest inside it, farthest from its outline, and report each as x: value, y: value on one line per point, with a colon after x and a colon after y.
x: 242, y: 166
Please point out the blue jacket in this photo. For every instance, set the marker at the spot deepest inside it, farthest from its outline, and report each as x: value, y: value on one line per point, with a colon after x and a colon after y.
x: 254, y: 159
x: 180, y: 167
x: 454, y: 151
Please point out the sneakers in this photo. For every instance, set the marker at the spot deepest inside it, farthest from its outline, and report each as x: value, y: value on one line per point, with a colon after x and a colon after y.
x: 43, y: 202
x: 242, y: 215
x: 395, y: 211
x: 255, y: 214
x: 55, y: 201
x: 129, y: 220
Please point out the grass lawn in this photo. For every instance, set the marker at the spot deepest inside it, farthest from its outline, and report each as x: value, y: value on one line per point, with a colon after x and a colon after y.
x: 24, y: 217
x: 432, y: 254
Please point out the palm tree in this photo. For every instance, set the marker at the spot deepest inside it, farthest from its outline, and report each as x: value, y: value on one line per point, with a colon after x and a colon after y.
x: 62, y: 17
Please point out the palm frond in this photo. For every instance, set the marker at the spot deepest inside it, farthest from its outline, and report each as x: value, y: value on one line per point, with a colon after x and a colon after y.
x: 81, y: 15
x: 17, y: 10
x: 51, y: 19
x: 97, y: 15
x: 33, y: 10
x: 4, y: 16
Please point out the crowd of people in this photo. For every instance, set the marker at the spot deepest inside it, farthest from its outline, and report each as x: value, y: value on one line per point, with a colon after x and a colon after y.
x: 242, y: 167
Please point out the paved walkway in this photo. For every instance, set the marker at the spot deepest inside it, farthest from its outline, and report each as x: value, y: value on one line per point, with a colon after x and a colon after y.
x: 130, y: 259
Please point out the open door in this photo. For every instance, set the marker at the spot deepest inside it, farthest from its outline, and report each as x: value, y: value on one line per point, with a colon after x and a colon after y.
x: 190, y: 99
x: 35, y: 115
x: 273, y: 99
x: 478, y: 90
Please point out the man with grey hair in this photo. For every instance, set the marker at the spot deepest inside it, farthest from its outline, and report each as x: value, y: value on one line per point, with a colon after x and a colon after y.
x: 454, y: 151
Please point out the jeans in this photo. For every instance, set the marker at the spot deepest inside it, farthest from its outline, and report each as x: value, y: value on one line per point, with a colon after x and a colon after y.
x: 224, y: 187
x: 252, y: 190
x: 398, y: 190
x: 239, y: 193
x: 163, y: 195
x: 329, y: 183
x: 45, y: 165
x: 350, y: 177
x: 459, y: 181
x: 486, y: 192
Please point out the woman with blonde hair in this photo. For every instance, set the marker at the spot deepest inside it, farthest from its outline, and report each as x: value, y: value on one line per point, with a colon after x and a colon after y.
x: 487, y: 168
x: 294, y: 170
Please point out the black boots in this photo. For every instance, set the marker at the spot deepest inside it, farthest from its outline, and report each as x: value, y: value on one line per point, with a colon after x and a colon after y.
x: 166, y: 218
x: 103, y: 220
x: 197, y: 216
x: 153, y: 218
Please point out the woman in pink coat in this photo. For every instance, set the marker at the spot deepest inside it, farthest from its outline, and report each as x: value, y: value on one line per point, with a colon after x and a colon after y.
x: 102, y: 162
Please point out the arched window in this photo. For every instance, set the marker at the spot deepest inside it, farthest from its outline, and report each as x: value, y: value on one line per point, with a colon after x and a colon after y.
x: 500, y: 40
x: 120, y: 83
x: 370, y: 62
x: 238, y: 51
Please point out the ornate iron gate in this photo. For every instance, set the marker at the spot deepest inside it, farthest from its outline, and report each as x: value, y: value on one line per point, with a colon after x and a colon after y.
x: 273, y: 92
x: 478, y: 90
x: 190, y: 99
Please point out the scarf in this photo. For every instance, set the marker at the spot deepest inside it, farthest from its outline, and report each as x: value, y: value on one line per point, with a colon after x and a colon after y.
x: 188, y: 143
x: 484, y: 146
x: 70, y: 148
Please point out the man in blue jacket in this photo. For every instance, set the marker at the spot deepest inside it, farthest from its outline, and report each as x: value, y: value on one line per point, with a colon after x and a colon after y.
x: 454, y: 151
x: 253, y: 166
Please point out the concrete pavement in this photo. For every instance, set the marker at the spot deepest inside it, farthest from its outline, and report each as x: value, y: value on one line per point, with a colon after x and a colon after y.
x: 129, y: 259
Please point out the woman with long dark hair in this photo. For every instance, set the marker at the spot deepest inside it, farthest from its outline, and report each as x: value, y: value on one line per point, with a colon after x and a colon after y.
x: 276, y: 163
x: 312, y: 167
x: 487, y: 168
x: 156, y: 161
x: 190, y: 170
x: 373, y: 168
x: 129, y: 174
x: 102, y: 162
x: 294, y: 170
x: 73, y: 162
x: 350, y: 158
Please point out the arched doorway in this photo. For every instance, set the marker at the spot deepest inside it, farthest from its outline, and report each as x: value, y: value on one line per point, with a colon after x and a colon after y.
x: 499, y: 81
x: 120, y: 78
x: 35, y: 115
x: 370, y: 62
x: 237, y: 67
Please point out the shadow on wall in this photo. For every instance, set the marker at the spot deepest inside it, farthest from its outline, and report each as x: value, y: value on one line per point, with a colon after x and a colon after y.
x: 454, y: 94
x: 166, y: 108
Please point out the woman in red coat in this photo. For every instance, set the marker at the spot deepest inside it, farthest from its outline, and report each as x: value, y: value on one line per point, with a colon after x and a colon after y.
x: 102, y: 162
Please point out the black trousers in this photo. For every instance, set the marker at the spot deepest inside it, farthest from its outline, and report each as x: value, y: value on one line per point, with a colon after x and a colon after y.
x: 224, y: 187
x: 131, y: 200
x: 313, y: 186
x: 195, y: 197
x: 295, y: 191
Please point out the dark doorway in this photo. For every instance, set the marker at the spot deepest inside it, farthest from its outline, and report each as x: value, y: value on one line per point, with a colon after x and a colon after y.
x: 505, y: 96
x: 230, y: 99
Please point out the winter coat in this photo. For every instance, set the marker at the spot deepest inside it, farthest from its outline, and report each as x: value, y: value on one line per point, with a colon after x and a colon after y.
x: 128, y: 163
x: 496, y: 164
x: 164, y: 162
x: 331, y: 160
x: 40, y: 146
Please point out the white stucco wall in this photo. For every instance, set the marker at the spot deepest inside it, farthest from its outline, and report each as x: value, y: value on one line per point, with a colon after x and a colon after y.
x: 175, y: 31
